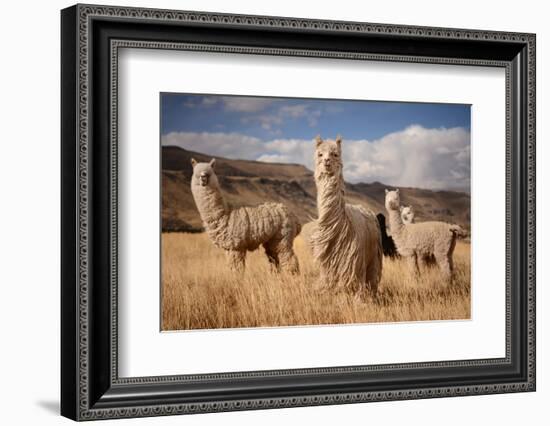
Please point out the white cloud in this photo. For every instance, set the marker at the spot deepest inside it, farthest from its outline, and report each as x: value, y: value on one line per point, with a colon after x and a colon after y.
x: 230, y: 145
x: 313, y: 118
x: 209, y: 101
x: 255, y: 108
x: 245, y: 104
x: 232, y: 103
x: 416, y: 156
x: 294, y: 111
x: 269, y: 121
x: 272, y: 121
x: 274, y: 158
x: 301, y: 110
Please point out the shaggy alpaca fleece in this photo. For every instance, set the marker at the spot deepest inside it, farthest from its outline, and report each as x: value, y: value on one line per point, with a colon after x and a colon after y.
x: 408, y: 216
x: 418, y: 241
x: 245, y: 229
x: 346, y: 240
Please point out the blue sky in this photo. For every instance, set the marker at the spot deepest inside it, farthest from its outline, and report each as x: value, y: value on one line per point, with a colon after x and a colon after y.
x: 303, y: 118
x: 407, y: 144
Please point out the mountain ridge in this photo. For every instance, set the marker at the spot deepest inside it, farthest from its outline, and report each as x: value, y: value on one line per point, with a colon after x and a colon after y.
x: 249, y: 183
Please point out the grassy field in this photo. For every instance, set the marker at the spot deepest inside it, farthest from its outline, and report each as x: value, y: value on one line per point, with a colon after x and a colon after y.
x: 199, y: 291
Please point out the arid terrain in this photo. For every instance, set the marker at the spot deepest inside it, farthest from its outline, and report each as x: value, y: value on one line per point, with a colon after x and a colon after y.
x: 249, y: 183
x: 199, y: 291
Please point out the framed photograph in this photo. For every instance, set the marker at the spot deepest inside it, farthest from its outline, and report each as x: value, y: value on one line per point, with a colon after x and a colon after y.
x: 263, y: 212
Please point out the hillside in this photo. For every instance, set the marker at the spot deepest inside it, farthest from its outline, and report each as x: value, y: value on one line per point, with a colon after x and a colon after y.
x: 249, y: 183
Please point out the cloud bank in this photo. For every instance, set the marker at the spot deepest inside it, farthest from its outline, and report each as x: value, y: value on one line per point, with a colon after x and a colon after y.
x: 269, y: 113
x: 415, y: 156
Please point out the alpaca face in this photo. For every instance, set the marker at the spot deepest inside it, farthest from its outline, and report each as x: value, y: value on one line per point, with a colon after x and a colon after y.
x: 392, y: 200
x: 328, y: 156
x: 203, y: 174
x: 407, y: 214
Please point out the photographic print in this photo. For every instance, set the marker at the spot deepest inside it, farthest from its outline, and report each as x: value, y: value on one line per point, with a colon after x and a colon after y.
x: 298, y: 212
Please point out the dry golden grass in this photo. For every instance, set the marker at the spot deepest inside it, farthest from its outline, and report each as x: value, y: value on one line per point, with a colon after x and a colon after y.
x: 199, y: 291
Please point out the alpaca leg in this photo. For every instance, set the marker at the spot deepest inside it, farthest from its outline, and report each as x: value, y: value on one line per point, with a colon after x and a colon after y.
x: 445, y: 267
x: 236, y: 260
x: 444, y: 258
x: 451, y: 264
x: 446, y: 270
x: 272, y: 256
x: 450, y: 253
x: 413, y: 265
x: 374, y: 273
x: 450, y: 258
x: 422, y: 264
x: 289, y: 261
x: 428, y: 261
x: 373, y: 279
x: 285, y: 249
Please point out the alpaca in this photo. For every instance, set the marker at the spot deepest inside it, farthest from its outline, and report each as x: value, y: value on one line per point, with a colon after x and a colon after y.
x: 346, y: 240
x: 418, y: 241
x: 244, y: 229
x: 407, y: 215
x: 388, y: 246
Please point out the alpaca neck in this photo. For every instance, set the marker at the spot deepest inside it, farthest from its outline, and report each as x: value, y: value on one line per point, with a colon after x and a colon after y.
x: 330, y: 199
x: 211, y: 205
x: 396, y: 223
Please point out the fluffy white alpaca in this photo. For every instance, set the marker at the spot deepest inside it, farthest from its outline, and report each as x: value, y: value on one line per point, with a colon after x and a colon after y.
x: 237, y: 231
x: 418, y: 241
x: 345, y: 239
x: 408, y: 216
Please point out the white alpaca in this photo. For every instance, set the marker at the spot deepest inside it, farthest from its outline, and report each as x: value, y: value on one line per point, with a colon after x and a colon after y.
x: 245, y: 229
x: 407, y: 215
x: 345, y: 238
x: 418, y: 241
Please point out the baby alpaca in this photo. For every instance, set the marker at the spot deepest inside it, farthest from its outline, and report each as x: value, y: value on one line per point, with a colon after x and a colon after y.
x: 407, y: 215
x: 245, y: 229
x: 418, y: 241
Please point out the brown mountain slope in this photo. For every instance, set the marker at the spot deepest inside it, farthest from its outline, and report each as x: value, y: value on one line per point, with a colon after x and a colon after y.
x: 249, y: 183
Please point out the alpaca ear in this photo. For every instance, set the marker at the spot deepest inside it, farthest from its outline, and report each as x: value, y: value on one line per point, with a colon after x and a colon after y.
x: 397, y: 190
x: 387, y: 190
x: 193, y: 162
x: 400, y: 208
x: 318, y: 140
x: 339, y: 140
x: 213, y: 162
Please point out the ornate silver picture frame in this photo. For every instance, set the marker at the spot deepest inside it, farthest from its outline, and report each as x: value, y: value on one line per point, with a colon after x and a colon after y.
x: 91, y: 39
